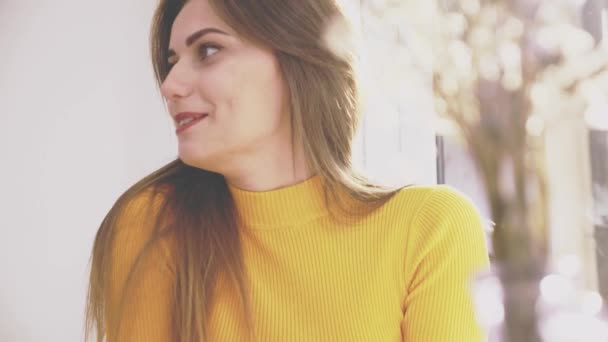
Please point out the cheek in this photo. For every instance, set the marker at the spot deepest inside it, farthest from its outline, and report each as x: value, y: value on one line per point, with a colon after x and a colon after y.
x: 258, y: 95
x: 247, y: 95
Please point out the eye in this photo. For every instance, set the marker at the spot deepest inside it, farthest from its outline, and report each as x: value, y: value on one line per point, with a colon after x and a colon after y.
x: 206, y: 50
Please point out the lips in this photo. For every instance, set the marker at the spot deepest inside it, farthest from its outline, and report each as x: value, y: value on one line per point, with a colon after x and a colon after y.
x: 188, y: 121
x: 187, y: 115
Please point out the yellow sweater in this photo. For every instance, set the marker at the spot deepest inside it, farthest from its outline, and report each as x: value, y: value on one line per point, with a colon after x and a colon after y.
x: 401, y: 274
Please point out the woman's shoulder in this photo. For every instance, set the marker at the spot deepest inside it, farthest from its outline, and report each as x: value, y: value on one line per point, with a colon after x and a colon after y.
x: 438, y: 208
x: 138, y: 212
x: 432, y: 198
x: 443, y: 209
x: 138, y: 223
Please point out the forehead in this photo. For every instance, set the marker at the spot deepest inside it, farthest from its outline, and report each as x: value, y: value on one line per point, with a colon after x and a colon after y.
x: 195, y: 15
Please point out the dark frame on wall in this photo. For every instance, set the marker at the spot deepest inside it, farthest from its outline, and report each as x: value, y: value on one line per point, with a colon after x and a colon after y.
x: 440, y: 159
x: 591, y: 17
x: 598, y: 148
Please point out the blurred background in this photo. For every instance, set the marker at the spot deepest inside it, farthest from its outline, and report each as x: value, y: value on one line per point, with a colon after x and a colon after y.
x: 82, y: 120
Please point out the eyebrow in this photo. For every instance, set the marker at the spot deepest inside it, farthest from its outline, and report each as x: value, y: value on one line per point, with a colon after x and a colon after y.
x: 196, y: 35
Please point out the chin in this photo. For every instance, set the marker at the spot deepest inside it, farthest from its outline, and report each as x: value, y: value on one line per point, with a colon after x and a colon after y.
x: 189, y: 155
x: 198, y: 160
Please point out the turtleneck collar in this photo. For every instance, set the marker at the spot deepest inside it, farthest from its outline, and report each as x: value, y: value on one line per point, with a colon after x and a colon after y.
x: 287, y: 206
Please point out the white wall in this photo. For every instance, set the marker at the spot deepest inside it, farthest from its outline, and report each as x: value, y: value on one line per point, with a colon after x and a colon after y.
x: 80, y: 121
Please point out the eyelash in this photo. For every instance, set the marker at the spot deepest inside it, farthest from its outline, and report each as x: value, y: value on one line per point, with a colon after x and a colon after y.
x: 207, y: 46
x: 201, y: 48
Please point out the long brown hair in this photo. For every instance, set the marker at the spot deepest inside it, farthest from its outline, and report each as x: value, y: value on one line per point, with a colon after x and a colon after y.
x: 197, y: 209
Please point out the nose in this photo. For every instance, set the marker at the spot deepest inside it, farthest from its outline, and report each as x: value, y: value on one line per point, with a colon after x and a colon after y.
x: 175, y: 85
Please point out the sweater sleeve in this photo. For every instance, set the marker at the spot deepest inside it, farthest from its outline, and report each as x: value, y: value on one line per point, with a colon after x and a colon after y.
x: 147, y: 304
x: 446, y: 248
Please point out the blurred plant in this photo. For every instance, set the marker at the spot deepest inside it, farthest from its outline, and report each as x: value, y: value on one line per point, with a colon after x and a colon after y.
x: 503, y: 72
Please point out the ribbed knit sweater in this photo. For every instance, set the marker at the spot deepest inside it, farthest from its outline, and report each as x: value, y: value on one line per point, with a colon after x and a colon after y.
x: 402, y: 273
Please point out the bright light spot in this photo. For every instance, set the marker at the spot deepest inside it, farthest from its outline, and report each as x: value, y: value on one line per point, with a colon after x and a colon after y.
x: 510, y: 55
x: 576, y: 4
x: 550, y: 12
x: 448, y: 85
x: 461, y: 56
x: 535, y: 126
x: 592, y: 91
x: 591, y: 303
x: 573, y: 327
x: 489, y: 226
x: 547, y: 39
x: 513, y: 28
x: 489, y: 16
x: 339, y: 37
x: 378, y: 5
x: 569, y: 265
x: 481, y: 37
x: 441, y: 106
x: 596, y: 116
x: 574, y: 41
x: 456, y: 23
x: 470, y: 7
x: 512, y: 80
x: 446, y: 127
x: 488, y: 297
x: 543, y: 96
x: 488, y: 68
x: 556, y: 289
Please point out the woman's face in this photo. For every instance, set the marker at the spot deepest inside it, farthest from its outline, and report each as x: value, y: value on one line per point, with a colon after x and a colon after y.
x: 237, y: 84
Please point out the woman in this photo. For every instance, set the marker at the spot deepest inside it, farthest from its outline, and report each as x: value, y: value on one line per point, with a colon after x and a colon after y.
x: 261, y: 230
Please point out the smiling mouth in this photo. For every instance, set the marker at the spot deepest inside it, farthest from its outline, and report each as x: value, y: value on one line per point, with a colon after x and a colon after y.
x: 189, y: 122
